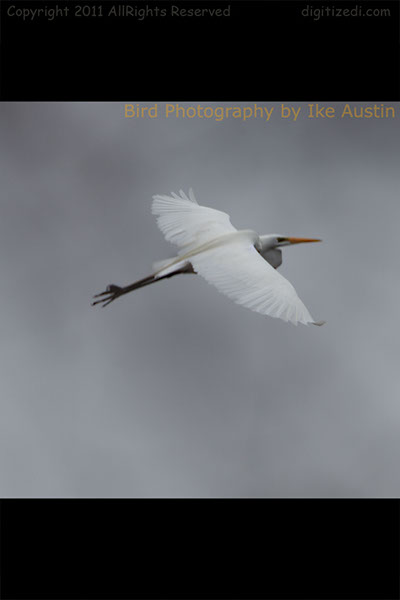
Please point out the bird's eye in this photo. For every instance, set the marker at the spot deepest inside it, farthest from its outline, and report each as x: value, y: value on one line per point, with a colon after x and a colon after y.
x: 280, y: 239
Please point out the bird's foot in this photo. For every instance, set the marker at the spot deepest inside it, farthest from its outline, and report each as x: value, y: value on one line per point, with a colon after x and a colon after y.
x: 112, y: 292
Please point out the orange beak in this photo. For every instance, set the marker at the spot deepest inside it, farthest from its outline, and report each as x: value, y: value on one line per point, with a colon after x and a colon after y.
x: 296, y: 240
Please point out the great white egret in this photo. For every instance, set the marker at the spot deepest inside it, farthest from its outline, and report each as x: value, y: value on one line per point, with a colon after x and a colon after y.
x: 240, y: 264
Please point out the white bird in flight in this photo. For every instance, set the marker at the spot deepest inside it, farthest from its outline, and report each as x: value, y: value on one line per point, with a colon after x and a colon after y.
x: 239, y: 263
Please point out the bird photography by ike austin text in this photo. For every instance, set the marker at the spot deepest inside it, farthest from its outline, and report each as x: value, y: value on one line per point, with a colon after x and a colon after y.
x: 259, y: 111
x: 201, y: 299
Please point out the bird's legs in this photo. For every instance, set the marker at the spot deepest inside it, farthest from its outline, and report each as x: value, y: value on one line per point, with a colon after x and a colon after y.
x: 115, y: 291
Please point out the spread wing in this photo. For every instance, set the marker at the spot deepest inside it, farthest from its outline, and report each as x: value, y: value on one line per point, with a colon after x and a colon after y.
x: 187, y: 224
x: 238, y: 271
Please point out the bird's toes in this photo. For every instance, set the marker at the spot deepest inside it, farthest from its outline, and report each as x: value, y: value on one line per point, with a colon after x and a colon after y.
x: 112, y: 292
x: 115, y: 289
x: 111, y: 289
x: 98, y: 301
x: 101, y: 294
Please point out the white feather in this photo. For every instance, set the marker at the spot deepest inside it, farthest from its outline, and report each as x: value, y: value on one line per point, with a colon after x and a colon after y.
x: 159, y: 265
x: 238, y: 271
x: 186, y: 223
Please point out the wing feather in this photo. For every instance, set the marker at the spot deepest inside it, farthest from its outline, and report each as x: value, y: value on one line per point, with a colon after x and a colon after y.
x: 187, y: 224
x: 238, y: 271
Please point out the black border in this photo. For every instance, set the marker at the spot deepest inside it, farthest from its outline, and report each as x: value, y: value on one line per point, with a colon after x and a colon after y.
x: 265, y: 49
x: 243, y: 549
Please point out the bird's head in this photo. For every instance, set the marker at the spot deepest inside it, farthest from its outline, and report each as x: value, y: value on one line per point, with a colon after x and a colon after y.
x: 278, y: 241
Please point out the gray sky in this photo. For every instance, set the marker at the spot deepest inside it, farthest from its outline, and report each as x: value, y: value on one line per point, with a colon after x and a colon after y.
x: 175, y: 390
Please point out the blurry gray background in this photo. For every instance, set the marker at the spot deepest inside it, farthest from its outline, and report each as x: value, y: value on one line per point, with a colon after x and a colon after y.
x: 174, y: 390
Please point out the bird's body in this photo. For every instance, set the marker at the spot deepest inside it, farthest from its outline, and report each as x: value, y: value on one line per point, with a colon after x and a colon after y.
x: 267, y: 250
x: 239, y: 263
